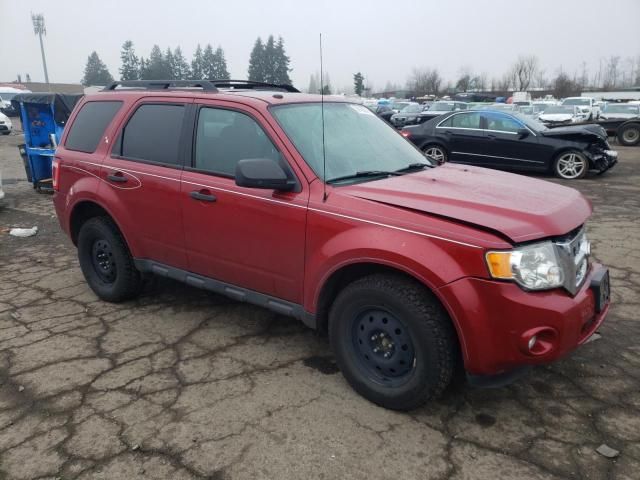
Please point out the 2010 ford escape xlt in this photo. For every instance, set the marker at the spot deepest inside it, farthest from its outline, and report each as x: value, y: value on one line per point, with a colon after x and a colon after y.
x: 321, y: 211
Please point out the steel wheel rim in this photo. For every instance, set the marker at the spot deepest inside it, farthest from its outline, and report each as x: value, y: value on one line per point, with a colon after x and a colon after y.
x: 571, y: 165
x: 630, y: 135
x: 383, y: 347
x: 436, y: 153
x: 103, y: 261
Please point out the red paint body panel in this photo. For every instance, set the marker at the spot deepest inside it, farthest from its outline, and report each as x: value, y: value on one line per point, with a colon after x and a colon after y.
x: 435, y: 225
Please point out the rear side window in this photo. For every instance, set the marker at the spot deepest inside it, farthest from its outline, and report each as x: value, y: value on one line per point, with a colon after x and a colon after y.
x: 90, y: 124
x: 466, y: 120
x: 153, y: 134
x: 502, y: 123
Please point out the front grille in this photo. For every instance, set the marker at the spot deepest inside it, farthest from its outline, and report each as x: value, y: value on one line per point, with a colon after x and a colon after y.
x: 573, y: 252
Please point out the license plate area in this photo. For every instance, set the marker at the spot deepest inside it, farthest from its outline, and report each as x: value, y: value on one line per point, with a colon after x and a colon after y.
x: 601, y: 286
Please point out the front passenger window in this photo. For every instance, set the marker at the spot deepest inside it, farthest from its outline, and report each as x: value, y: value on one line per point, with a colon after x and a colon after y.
x: 224, y: 137
x: 466, y: 120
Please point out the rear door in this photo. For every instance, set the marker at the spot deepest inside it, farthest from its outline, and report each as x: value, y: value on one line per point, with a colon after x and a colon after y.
x: 465, y: 137
x: 142, y: 178
x: 506, y: 148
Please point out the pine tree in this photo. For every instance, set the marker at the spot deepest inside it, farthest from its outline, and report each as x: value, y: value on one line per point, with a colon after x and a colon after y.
x: 221, y: 71
x: 313, y: 84
x: 358, y: 83
x: 143, y: 72
x: 270, y: 60
x: 281, y: 64
x: 256, y: 62
x: 197, y: 64
x: 180, y: 65
x: 170, y: 65
x: 208, y: 63
x: 96, y: 72
x: 156, y: 64
x: 130, y: 64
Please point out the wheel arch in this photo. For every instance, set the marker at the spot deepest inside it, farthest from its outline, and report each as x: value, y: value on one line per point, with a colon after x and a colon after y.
x: 351, y: 272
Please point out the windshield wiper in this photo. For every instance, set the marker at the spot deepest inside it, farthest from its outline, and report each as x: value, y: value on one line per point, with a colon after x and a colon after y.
x: 365, y: 174
x: 414, y: 166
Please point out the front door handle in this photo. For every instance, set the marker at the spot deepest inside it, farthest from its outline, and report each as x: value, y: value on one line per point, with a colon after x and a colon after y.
x: 204, y: 195
x: 117, y: 177
x: 491, y: 137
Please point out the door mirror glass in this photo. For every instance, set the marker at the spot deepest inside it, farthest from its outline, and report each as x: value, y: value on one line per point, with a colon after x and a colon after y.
x: 262, y: 173
x: 523, y: 133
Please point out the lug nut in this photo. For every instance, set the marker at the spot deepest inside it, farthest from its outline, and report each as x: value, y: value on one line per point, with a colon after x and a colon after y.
x: 374, y: 337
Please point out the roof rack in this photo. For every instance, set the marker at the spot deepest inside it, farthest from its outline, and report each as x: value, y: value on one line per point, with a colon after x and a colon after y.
x: 162, y: 85
x: 249, y: 84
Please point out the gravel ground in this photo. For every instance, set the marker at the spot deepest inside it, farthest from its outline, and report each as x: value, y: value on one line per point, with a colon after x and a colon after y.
x: 183, y: 384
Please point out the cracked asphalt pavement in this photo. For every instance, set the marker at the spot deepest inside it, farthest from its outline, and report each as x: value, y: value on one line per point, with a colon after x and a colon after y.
x: 184, y: 384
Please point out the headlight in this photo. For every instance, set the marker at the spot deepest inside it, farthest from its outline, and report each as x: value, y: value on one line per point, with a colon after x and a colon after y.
x: 534, y: 267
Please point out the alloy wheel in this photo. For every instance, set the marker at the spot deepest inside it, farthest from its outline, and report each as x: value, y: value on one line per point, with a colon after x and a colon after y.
x: 571, y: 165
x: 436, y: 153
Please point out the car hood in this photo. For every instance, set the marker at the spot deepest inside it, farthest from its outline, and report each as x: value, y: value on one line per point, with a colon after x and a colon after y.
x: 556, y: 117
x: 622, y: 116
x: 583, y: 132
x: 518, y: 207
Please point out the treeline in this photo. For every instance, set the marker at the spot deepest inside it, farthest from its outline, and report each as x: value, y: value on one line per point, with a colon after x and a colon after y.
x: 268, y: 62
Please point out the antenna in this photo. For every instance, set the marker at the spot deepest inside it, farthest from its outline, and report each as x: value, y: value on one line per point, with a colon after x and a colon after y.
x: 324, y: 155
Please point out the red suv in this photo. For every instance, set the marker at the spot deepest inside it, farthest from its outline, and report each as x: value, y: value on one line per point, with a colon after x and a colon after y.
x: 321, y: 211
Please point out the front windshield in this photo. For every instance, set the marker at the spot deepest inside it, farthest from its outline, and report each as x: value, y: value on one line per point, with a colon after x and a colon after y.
x: 576, y: 101
x: 527, y: 110
x: 355, y: 140
x: 412, y: 108
x: 559, y: 109
x: 7, y: 96
x: 442, y: 106
x: 634, y: 109
x: 399, y: 105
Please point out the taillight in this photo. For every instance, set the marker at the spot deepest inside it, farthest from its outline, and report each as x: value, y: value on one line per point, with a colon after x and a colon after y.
x: 405, y: 133
x: 55, y: 173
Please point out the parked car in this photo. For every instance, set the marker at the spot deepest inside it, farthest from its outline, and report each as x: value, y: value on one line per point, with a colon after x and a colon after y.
x: 6, y: 95
x: 407, y: 116
x: 6, y: 126
x: 503, y: 107
x: 513, y: 141
x: 563, y: 115
x: 322, y: 212
x: 620, y: 111
x: 440, y: 108
x: 589, y: 105
x: 385, y: 112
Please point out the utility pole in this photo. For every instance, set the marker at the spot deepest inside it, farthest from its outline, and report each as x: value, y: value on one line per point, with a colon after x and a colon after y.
x: 40, y: 29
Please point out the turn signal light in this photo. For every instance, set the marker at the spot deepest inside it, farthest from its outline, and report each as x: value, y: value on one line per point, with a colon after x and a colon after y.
x: 499, y: 264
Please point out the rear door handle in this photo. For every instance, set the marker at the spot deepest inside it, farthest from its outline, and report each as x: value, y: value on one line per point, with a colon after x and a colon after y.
x: 117, y: 177
x: 491, y: 137
x: 204, y: 195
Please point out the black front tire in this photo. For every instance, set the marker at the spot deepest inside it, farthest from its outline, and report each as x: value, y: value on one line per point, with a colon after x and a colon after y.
x: 428, y: 327
x: 629, y: 135
x: 106, y: 262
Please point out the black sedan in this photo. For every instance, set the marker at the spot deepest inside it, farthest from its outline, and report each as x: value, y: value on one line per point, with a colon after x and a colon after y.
x: 512, y: 141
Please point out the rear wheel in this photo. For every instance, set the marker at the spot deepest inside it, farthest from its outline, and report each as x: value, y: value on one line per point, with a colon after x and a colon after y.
x: 629, y: 135
x: 393, y: 342
x: 436, y: 152
x: 106, y: 262
x: 571, y: 165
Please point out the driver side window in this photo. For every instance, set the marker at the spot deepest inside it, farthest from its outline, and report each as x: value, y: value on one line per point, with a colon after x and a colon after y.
x: 223, y: 137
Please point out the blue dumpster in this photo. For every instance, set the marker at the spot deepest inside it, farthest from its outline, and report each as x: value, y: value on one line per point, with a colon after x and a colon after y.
x: 43, y: 116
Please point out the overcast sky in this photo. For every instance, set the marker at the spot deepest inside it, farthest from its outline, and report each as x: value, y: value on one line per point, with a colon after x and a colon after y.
x: 382, y: 39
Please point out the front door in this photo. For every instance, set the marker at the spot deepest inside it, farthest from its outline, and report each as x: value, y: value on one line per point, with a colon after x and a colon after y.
x: 252, y: 238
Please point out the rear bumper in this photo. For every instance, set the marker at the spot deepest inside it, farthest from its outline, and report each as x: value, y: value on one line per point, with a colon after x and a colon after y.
x: 495, y: 320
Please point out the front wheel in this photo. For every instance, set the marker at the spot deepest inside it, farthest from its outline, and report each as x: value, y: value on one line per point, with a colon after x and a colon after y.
x: 436, y: 152
x: 106, y: 262
x: 571, y: 165
x: 393, y: 342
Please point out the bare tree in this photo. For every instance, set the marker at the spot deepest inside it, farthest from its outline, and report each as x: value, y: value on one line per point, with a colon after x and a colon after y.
x: 425, y: 81
x: 611, y: 72
x: 563, y: 86
x: 464, y: 80
x: 523, y: 72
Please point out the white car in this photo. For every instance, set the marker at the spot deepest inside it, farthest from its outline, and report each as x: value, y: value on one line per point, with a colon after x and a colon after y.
x: 624, y: 111
x: 563, y: 115
x: 588, y: 104
x: 5, y: 124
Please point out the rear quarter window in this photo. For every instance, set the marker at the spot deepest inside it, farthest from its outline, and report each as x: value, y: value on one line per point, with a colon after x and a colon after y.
x: 89, y: 125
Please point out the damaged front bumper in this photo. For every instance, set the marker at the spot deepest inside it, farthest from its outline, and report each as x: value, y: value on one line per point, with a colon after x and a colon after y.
x: 603, y: 160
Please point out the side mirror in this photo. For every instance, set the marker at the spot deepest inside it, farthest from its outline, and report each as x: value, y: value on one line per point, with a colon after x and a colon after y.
x: 262, y: 173
x: 523, y: 133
